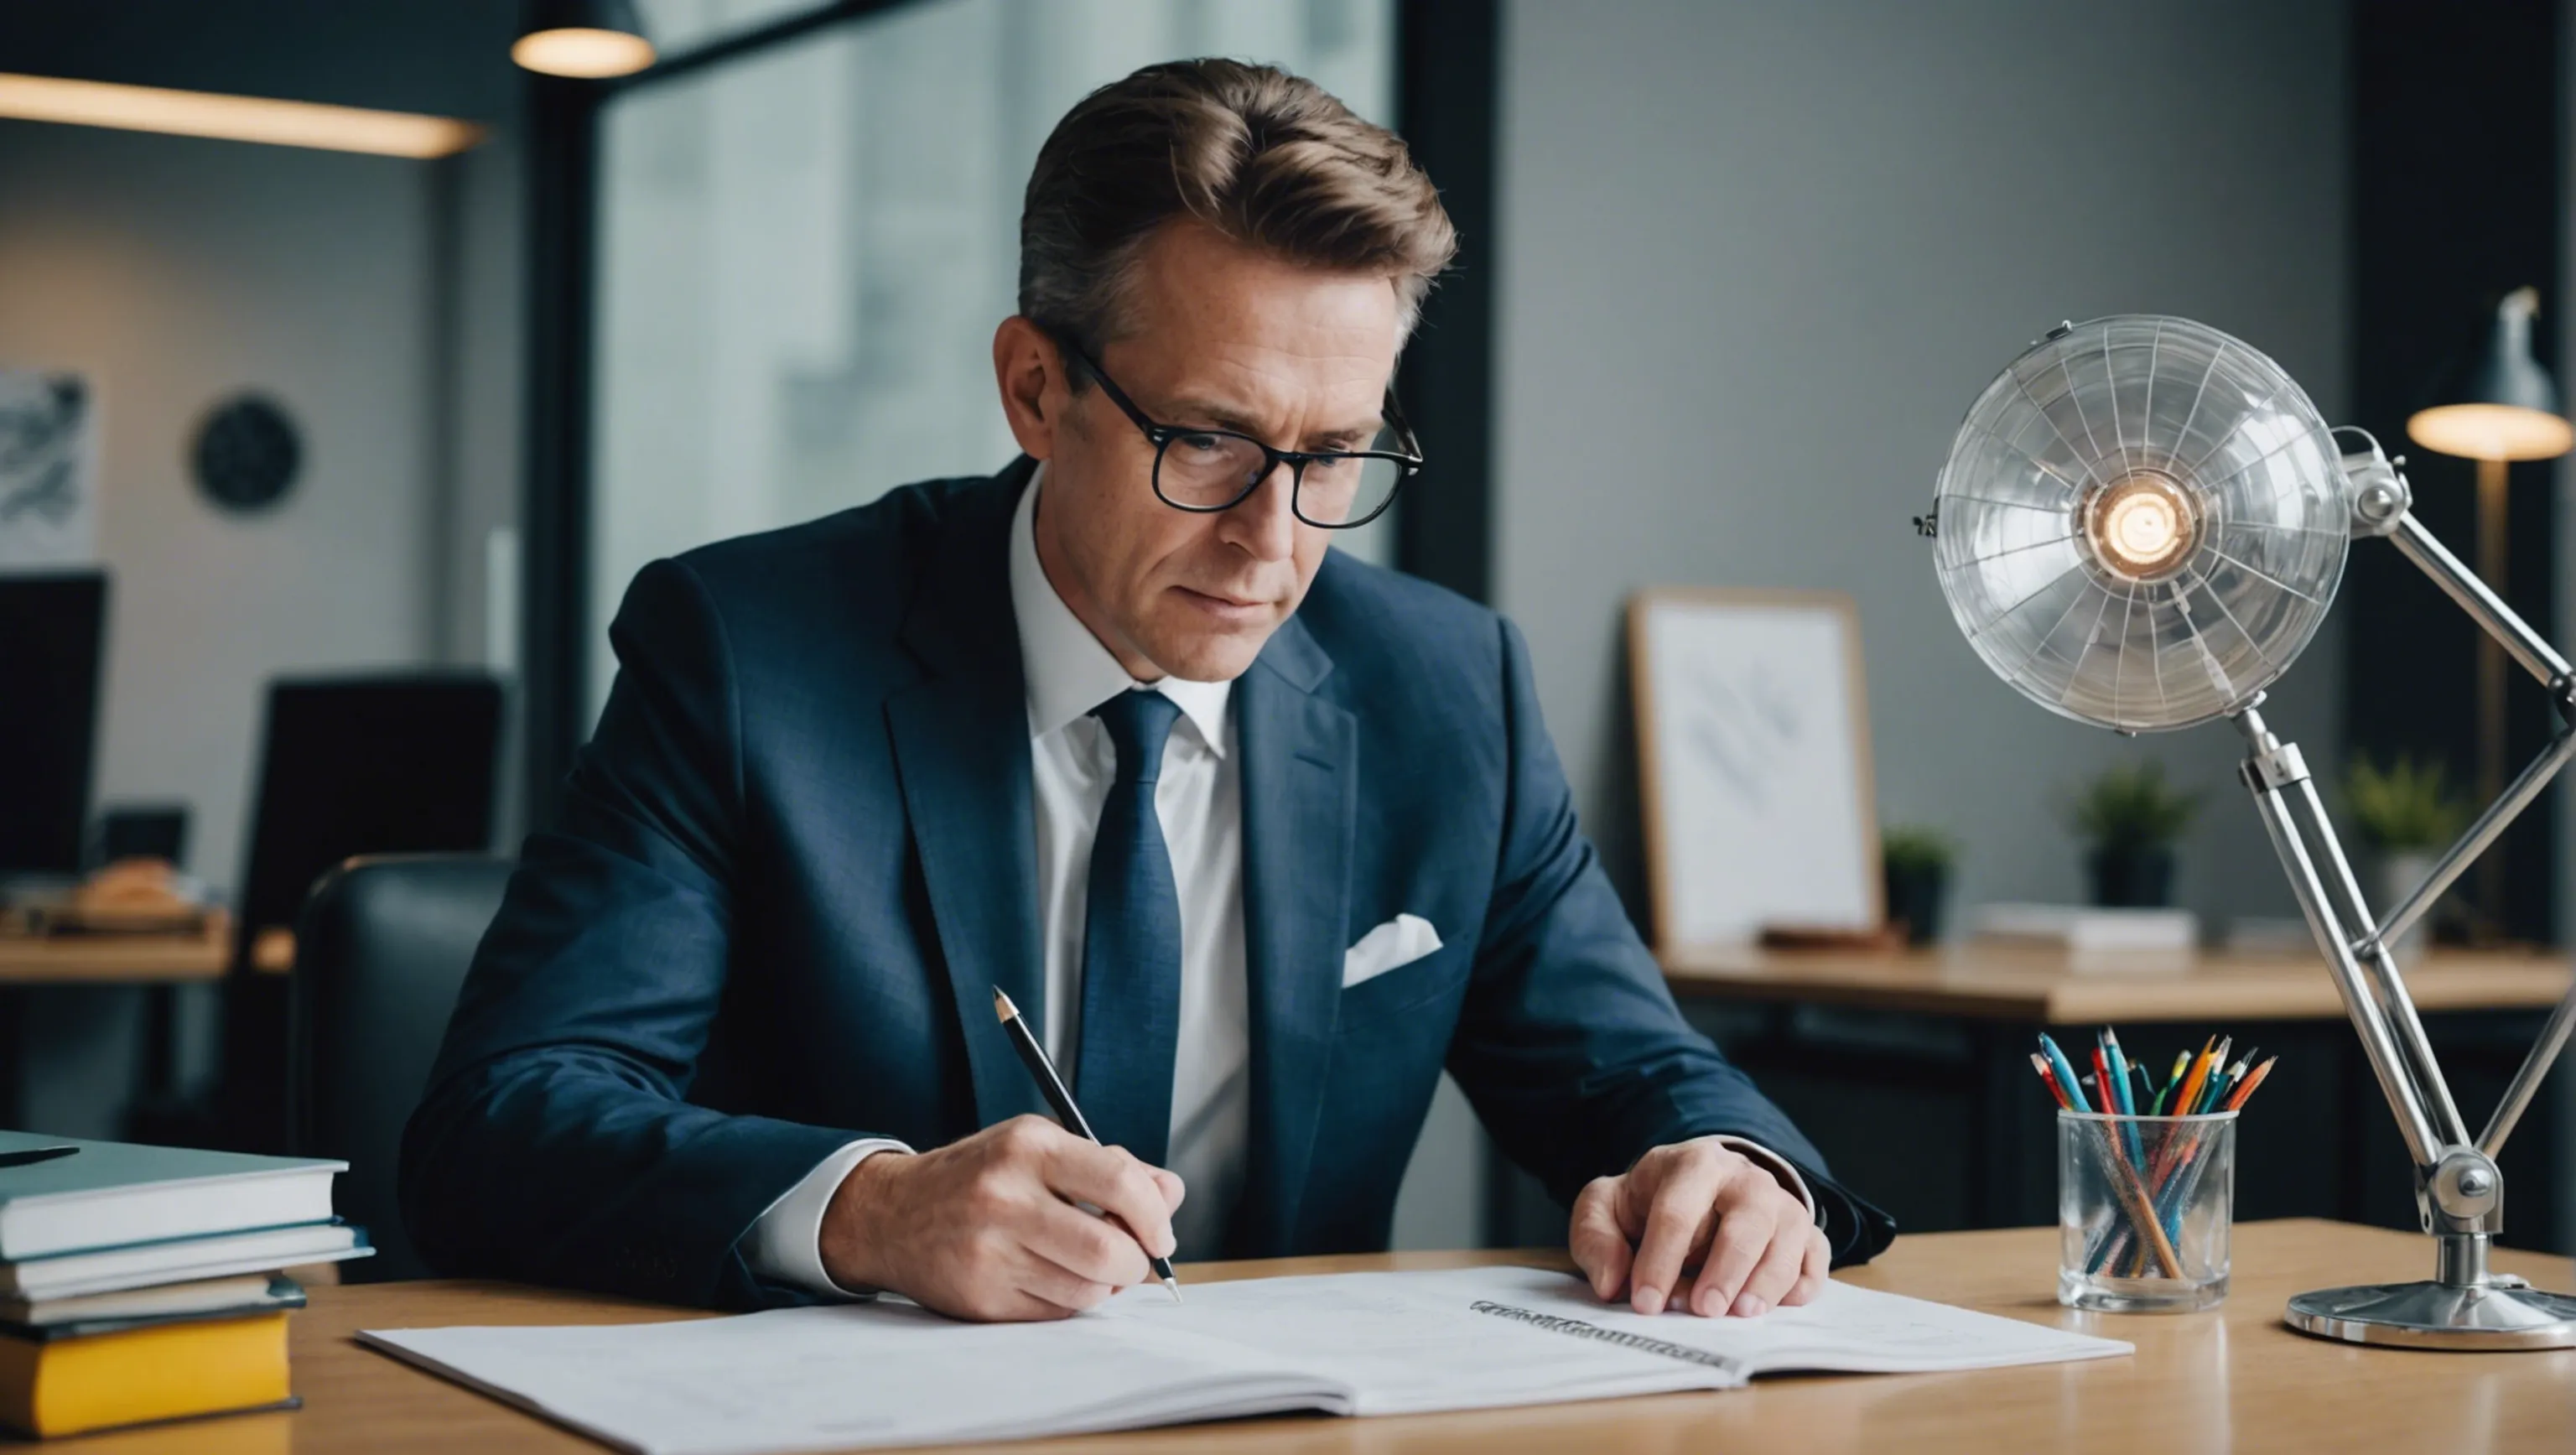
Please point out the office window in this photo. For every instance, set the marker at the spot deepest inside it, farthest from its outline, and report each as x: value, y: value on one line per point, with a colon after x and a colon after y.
x: 803, y: 252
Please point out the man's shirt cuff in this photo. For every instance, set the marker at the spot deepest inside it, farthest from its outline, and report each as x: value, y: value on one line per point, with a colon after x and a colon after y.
x: 1771, y: 1162
x: 785, y: 1244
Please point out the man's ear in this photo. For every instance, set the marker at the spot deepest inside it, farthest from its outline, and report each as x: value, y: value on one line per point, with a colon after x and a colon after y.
x: 1030, y: 372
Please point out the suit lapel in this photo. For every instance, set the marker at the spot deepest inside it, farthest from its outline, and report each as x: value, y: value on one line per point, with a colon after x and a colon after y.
x: 1300, y: 805
x: 961, y: 747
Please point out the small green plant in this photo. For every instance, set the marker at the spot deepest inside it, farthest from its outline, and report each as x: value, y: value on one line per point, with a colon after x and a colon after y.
x: 1911, y: 850
x: 2404, y: 806
x: 2131, y: 809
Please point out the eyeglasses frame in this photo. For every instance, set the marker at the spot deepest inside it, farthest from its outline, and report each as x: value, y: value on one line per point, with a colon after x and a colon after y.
x: 1161, y: 435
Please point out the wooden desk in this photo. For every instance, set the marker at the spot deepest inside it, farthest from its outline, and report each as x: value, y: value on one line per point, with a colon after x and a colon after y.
x: 2045, y: 987
x: 157, y: 962
x: 116, y: 959
x: 138, y: 959
x: 1847, y: 1039
x: 2231, y: 1378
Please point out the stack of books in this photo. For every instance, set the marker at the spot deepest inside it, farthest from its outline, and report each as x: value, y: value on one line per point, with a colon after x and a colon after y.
x: 143, y: 1283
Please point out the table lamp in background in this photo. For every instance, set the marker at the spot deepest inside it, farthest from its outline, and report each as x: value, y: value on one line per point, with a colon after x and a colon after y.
x: 2497, y: 407
x: 2141, y: 524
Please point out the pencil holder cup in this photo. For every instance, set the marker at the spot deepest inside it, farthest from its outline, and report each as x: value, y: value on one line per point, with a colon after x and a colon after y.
x: 2143, y: 1210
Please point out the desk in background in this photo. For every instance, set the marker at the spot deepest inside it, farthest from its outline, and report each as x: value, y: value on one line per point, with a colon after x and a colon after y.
x: 1856, y: 1045
x: 2232, y: 1378
x: 158, y: 962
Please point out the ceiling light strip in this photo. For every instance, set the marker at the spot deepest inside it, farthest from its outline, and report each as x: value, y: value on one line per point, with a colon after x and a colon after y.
x: 233, y: 118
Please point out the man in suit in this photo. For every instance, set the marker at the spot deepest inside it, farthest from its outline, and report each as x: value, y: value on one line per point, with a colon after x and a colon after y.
x: 1259, y: 837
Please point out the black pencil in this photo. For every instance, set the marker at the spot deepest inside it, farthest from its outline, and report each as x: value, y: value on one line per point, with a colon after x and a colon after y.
x: 1042, y: 1070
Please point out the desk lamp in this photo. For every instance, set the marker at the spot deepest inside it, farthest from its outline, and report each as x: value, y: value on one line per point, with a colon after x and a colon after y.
x: 2500, y: 406
x: 2140, y: 526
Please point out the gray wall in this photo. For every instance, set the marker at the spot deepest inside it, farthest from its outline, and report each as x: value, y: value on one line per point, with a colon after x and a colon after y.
x: 377, y: 298
x: 1757, y: 259
x: 176, y: 271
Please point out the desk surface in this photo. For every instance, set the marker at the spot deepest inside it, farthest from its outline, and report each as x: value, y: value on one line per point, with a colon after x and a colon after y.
x: 2231, y: 1378
x: 2016, y: 983
x: 115, y: 959
x: 137, y: 959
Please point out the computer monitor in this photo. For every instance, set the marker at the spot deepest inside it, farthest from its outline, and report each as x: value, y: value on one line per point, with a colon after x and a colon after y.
x: 52, y: 628
x: 392, y: 764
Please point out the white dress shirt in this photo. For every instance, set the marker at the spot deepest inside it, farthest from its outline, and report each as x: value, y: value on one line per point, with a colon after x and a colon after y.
x: 1199, y: 802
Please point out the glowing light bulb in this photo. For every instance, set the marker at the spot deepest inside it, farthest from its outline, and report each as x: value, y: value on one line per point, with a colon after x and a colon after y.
x: 2141, y: 527
x: 589, y: 53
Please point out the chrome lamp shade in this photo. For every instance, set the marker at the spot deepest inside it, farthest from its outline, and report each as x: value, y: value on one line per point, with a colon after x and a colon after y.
x: 2141, y: 525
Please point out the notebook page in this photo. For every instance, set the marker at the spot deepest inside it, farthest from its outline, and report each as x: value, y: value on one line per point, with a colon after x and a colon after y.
x: 857, y: 1375
x: 1410, y: 1347
x: 1846, y: 1328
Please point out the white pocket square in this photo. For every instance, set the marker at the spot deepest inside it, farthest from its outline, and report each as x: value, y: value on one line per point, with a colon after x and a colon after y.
x: 1399, y: 942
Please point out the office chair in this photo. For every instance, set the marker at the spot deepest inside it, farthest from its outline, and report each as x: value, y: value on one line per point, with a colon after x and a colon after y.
x: 397, y: 763
x: 380, y: 949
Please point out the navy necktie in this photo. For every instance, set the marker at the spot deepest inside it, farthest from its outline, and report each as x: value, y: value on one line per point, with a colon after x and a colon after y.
x: 1131, y: 943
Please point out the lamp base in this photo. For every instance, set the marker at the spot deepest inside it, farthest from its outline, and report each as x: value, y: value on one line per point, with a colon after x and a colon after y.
x: 2503, y: 1314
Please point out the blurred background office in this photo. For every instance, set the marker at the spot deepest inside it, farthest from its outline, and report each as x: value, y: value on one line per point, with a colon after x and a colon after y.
x: 363, y: 418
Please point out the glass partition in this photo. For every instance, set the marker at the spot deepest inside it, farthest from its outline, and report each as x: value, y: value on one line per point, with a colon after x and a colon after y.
x: 803, y: 252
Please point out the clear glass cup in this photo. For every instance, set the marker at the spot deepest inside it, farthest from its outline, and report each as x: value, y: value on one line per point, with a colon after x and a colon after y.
x: 2113, y: 1256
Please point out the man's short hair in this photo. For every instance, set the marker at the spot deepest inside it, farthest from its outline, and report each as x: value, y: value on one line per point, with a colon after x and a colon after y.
x: 1263, y: 157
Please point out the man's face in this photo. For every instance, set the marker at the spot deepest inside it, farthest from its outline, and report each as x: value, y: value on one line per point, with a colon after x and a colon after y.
x: 1220, y: 336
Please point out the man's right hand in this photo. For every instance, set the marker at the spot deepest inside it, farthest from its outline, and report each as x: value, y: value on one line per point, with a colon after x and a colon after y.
x: 987, y: 1227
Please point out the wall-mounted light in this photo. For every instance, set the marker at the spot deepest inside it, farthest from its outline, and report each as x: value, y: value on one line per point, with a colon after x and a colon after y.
x: 586, y: 39
x: 233, y: 118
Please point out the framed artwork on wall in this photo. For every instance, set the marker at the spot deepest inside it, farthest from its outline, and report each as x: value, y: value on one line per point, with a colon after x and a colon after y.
x: 1753, y: 765
x: 48, y: 469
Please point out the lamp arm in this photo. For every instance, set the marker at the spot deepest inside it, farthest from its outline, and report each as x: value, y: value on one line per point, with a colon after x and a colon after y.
x: 2476, y: 598
x: 2485, y: 830
x: 2543, y: 661
x: 2526, y: 1082
x: 2276, y: 774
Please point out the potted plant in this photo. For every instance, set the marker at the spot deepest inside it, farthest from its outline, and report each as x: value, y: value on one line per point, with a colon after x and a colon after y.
x: 2407, y: 815
x: 1916, y: 866
x: 2129, y: 818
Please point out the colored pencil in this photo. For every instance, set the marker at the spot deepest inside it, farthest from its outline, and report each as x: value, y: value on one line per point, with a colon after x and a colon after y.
x: 2039, y: 1063
x: 2128, y: 1106
x: 2066, y: 1083
x: 2245, y: 1088
x: 2192, y: 1079
x: 2217, y: 1074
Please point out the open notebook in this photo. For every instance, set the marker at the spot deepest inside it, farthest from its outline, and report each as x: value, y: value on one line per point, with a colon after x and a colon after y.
x: 1354, y: 1344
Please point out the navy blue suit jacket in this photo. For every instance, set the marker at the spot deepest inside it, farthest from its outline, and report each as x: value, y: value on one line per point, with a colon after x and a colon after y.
x: 799, y: 853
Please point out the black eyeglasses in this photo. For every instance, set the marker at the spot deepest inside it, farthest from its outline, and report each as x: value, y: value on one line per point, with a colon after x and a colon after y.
x: 1208, y: 470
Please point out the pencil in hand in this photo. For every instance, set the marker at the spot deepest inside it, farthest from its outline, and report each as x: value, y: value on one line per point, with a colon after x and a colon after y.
x: 1042, y: 1070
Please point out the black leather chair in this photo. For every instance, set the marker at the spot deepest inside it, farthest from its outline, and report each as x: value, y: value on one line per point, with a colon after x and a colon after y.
x: 390, y: 763
x: 380, y: 950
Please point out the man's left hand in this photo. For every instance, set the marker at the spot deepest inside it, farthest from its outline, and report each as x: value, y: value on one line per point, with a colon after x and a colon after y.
x: 1698, y: 1224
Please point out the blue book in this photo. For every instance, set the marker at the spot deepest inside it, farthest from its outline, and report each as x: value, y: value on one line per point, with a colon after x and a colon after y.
x: 112, y: 1194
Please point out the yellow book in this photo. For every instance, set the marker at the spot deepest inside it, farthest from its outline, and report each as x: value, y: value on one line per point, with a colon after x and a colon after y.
x: 161, y: 1371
